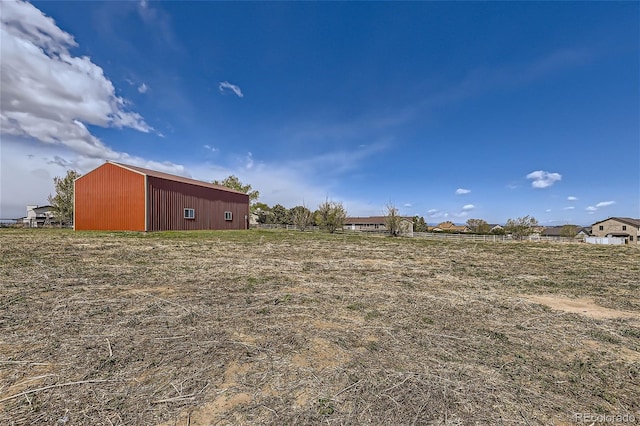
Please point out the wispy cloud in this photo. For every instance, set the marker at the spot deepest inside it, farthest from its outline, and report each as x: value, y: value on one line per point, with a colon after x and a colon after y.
x: 249, y: 161
x: 462, y: 191
x: 435, y: 214
x: 408, y: 205
x: 542, y: 179
x: 569, y: 208
x: 572, y: 198
x: 225, y: 85
x: 601, y: 204
x: 210, y: 148
x: 143, y: 88
x: 468, y: 207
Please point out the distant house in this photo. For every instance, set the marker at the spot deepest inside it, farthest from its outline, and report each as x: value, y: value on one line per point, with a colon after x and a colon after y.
x: 377, y: 223
x: 618, y: 227
x: 495, y: 228
x: 450, y: 227
x: 38, y: 216
x: 120, y: 197
x: 558, y: 231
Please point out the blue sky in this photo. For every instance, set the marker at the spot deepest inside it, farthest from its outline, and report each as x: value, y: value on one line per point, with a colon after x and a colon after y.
x: 449, y: 110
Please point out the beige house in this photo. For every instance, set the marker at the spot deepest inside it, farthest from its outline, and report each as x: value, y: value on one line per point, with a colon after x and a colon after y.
x: 377, y: 223
x: 621, y: 227
x: 449, y: 226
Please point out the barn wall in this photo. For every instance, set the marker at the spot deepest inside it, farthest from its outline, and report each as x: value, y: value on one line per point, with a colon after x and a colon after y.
x: 110, y: 198
x: 168, y: 199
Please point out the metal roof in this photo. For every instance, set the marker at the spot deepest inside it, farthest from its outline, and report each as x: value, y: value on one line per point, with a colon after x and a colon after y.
x: 175, y: 178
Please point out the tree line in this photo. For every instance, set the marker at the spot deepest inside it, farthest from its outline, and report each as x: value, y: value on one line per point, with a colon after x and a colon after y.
x: 329, y: 215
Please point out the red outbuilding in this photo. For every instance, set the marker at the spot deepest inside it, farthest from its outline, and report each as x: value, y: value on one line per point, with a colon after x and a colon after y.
x: 119, y: 197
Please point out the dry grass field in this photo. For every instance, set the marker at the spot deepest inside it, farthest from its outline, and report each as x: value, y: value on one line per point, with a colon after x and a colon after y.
x: 260, y: 327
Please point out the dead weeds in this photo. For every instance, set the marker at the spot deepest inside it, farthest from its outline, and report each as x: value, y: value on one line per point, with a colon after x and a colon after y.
x: 285, y: 327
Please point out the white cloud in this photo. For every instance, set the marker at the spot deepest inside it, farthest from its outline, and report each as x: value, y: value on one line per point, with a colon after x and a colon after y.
x: 235, y: 89
x: 605, y: 203
x: 48, y: 100
x: 468, y: 207
x: 569, y: 208
x: 210, y: 148
x: 48, y: 94
x: 408, y: 205
x: 143, y: 88
x: 249, y: 161
x: 542, y: 179
x: 548, y: 210
x: 462, y: 191
x: 572, y: 198
x: 592, y: 209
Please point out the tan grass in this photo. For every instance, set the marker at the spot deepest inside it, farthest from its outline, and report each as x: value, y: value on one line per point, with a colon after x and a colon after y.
x: 297, y: 328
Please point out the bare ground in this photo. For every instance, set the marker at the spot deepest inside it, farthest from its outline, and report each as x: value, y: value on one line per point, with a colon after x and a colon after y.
x: 290, y: 328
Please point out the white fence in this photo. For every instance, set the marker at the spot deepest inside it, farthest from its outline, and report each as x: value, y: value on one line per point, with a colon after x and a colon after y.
x: 616, y: 241
x: 437, y: 235
x: 492, y: 238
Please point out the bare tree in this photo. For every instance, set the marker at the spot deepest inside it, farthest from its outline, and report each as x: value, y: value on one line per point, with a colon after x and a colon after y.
x: 569, y: 231
x: 478, y: 226
x: 331, y: 215
x: 301, y: 216
x: 521, y: 227
x: 392, y: 220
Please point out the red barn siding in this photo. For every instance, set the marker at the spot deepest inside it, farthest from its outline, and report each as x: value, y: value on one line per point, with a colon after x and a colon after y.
x: 128, y: 198
x: 168, y: 199
x: 110, y: 198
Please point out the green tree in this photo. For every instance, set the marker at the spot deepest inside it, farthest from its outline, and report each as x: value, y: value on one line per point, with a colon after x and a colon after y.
x: 478, y: 226
x: 280, y: 215
x: 521, y: 227
x: 62, y: 202
x: 301, y: 217
x: 233, y: 182
x: 331, y: 215
x: 419, y: 224
x: 392, y: 220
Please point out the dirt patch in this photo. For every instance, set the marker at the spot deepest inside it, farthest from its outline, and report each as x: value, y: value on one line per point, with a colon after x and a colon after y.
x: 320, y: 355
x: 620, y: 352
x: 583, y: 306
x: 227, y: 400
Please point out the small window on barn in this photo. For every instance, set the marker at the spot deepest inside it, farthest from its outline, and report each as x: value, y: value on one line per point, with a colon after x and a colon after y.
x: 228, y: 216
x: 601, y: 228
x: 624, y: 227
x: 189, y: 213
